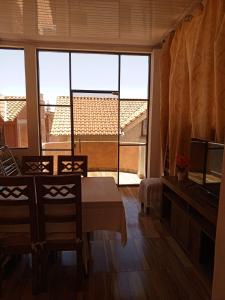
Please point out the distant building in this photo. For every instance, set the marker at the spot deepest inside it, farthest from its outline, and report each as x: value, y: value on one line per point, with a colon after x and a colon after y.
x: 13, y: 121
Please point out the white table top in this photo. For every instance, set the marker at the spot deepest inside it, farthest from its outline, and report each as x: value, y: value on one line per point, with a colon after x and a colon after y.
x: 100, y: 191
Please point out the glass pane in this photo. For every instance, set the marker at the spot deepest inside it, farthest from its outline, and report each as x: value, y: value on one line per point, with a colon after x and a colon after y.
x: 133, y: 121
x: 53, y: 76
x: 134, y: 77
x: 96, y: 132
x: 12, y: 75
x: 94, y: 71
x: 55, y: 155
x: 55, y: 127
x: 13, y: 124
x: 132, y: 164
x: 13, y: 114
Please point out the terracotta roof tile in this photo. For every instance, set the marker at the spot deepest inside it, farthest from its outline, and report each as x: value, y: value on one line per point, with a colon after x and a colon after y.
x: 95, y: 116
x: 9, y: 110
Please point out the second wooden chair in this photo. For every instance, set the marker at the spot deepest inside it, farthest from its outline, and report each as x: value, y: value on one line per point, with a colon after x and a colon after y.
x: 37, y: 165
x: 69, y: 164
x: 18, y: 225
x: 60, y: 217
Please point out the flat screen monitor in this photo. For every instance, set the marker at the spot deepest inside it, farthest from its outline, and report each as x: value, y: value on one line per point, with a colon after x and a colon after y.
x: 206, y: 160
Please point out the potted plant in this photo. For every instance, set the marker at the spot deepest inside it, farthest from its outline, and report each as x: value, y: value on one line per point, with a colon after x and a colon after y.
x: 182, y: 167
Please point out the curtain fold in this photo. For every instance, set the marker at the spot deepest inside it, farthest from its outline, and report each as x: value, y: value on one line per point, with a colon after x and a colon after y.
x: 179, y: 114
x: 219, y: 57
x: 164, y: 69
x: 202, y: 77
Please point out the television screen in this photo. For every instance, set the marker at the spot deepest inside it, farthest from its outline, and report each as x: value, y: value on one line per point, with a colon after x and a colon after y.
x: 214, y: 163
x: 206, y: 159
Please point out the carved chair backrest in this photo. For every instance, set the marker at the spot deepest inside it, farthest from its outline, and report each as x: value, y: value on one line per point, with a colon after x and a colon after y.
x: 77, y: 164
x: 37, y: 165
x: 18, y: 219
x: 59, y: 207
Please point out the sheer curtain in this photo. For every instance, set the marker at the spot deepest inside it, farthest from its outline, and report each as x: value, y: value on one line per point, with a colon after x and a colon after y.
x: 179, y: 98
x: 219, y: 58
x: 164, y: 69
x: 196, y: 103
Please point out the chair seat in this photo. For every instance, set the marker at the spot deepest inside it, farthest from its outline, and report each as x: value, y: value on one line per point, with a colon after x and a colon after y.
x: 62, y: 242
x: 60, y: 236
x: 18, y: 240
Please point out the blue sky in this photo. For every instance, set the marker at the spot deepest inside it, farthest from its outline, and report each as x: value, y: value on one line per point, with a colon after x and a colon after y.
x: 89, y: 71
x: 12, y: 75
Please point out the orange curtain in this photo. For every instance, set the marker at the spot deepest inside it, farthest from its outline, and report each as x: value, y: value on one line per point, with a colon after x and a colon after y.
x: 164, y: 69
x: 196, y: 81
x: 219, y: 57
x: 202, y: 75
x: 179, y: 115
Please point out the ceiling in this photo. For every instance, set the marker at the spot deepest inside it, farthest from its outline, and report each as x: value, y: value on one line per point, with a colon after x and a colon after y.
x: 120, y: 22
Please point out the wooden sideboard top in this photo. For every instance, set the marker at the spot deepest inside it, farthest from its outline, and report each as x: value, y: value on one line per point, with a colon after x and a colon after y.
x: 195, y: 196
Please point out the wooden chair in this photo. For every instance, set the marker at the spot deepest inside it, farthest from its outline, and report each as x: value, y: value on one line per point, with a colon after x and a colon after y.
x: 60, y: 218
x: 68, y: 164
x: 18, y: 226
x: 8, y: 164
x: 37, y: 165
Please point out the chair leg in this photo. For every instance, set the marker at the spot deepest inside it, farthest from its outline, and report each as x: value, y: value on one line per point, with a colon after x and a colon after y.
x: 35, y: 274
x: 1, y: 277
x: 80, y: 267
x: 44, y: 269
x: 53, y: 256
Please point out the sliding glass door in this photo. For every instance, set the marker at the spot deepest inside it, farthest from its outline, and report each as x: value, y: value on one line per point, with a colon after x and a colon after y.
x: 96, y: 131
x: 97, y: 105
x: 133, y: 119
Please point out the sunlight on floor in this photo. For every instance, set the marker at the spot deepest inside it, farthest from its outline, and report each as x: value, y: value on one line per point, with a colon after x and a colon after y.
x: 124, y: 178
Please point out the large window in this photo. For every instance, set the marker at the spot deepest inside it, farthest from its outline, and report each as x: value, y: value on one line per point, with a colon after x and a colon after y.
x: 97, y: 105
x: 13, y: 109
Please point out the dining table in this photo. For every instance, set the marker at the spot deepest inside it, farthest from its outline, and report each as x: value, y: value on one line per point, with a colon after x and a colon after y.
x: 102, y: 206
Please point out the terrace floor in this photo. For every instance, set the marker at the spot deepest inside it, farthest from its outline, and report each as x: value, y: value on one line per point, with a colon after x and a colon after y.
x: 125, y: 178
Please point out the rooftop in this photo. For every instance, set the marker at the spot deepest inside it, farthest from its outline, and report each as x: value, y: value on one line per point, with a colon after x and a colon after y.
x: 9, y: 109
x: 96, y: 116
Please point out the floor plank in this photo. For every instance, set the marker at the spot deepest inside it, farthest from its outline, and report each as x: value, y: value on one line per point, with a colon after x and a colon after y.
x: 151, y: 266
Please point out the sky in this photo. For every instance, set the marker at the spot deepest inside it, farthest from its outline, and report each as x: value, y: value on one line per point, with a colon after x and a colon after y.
x: 88, y: 72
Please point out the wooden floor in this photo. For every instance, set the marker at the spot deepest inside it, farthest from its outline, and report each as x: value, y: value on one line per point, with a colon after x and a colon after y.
x: 151, y: 266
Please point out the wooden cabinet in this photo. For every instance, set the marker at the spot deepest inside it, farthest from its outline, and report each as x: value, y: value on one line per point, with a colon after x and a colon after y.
x: 191, y: 215
x: 179, y: 223
x: 193, y: 245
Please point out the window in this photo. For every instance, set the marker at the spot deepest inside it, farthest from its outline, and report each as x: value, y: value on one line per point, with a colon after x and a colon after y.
x: 13, y: 109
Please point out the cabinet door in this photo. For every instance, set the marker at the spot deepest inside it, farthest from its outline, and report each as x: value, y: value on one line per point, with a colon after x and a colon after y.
x: 194, y: 240
x: 179, y: 223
